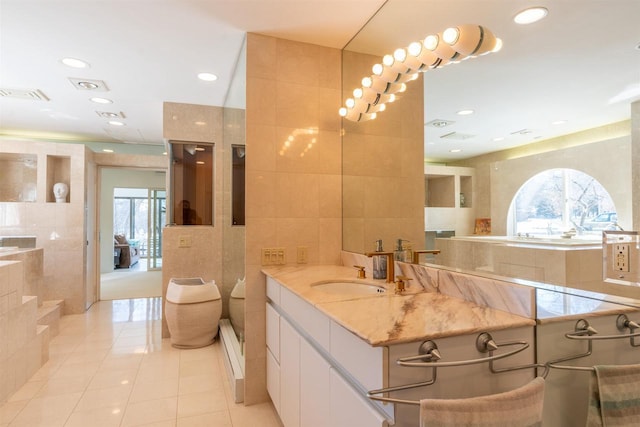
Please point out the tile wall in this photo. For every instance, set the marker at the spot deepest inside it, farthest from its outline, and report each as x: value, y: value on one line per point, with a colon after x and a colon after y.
x: 24, y: 346
x: 59, y: 227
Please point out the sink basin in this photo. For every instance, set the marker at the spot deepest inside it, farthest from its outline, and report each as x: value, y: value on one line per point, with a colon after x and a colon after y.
x: 344, y: 287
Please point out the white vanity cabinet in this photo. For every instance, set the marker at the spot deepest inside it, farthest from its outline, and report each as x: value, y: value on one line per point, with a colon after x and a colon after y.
x: 304, y: 379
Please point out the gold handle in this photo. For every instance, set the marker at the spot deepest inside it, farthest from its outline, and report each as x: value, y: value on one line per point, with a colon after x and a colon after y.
x: 361, y: 273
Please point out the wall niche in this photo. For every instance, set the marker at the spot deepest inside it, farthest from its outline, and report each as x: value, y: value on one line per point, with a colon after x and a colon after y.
x: 58, y: 170
x: 18, y: 177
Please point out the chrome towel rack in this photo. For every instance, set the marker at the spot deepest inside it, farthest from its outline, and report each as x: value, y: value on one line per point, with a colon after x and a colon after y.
x: 430, y: 357
x: 585, y: 332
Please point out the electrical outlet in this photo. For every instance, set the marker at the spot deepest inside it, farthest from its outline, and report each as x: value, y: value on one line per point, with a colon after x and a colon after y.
x: 302, y: 254
x: 280, y: 256
x: 621, y: 257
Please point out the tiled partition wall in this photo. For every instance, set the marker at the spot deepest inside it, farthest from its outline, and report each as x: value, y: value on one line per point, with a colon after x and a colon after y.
x: 59, y: 227
x: 24, y: 345
x: 293, y: 192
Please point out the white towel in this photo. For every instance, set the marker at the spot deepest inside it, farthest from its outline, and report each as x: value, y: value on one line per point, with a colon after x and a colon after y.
x: 614, y: 397
x: 521, y: 407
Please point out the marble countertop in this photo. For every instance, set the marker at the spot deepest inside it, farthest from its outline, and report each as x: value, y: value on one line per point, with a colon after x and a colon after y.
x: 389, y: 318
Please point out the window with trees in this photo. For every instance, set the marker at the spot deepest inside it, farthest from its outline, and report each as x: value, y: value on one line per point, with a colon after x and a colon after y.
x: 558, y: 200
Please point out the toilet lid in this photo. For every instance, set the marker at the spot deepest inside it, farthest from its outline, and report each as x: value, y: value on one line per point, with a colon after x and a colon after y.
x: 187, y: 294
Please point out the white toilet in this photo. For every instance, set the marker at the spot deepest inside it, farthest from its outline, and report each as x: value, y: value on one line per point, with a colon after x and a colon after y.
x: 236, y: 306
x: 192, y: 310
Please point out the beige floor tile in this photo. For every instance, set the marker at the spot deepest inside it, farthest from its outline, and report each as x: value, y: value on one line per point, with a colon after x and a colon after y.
x: 154, y: 390
x: 150, y: 411
x: 27, y: 391
x: 213, y: 419
x: 50, y: 411
x: 100, y: 417
x: 107, y: 378
x: 121, y: 362
x: 201, y: 403
x: 76, y: 370
x: 264, y: 413
x: 207, y: 366
x: 113, y: 397
x: 10, y: 410
x: 106, y: 372
x: 200, y: 383
x: 60, y: 386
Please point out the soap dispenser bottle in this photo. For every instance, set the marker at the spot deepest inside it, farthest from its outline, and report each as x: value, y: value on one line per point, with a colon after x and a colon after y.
x: 379, y: 263
x: 398, y: 252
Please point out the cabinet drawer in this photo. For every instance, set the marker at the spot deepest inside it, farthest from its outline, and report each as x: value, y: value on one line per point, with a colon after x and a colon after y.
x: 273, y: 380
x: 273, y: 290
x: 273, y: 332
x: 307, y: 316
x: 365, y: 363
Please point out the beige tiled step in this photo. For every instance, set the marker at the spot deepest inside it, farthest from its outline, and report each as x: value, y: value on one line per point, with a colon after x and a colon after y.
x: 49, y: 314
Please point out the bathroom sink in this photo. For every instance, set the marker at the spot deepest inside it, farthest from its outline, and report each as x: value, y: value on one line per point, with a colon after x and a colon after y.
x: 346, y: 287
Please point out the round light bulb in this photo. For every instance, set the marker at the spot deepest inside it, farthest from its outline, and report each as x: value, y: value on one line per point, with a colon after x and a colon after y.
x: 451, y: 35
x: 430, y: 42
x: 400, y: 54
x: 388, y: 60
x: 531, y: 15
x: 358, y: 93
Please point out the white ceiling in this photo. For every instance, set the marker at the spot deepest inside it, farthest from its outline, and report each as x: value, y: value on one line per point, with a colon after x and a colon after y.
x: 580, y: 64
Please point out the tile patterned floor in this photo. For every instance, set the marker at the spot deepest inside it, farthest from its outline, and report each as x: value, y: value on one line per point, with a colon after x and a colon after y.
x: 110, y: 367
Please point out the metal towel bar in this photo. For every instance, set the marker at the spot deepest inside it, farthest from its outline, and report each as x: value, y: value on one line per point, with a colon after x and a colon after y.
x: 584, y: 332
x: 428, y: 351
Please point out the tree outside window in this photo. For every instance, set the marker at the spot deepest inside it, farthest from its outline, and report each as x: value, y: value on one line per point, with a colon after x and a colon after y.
x: 558, y: 200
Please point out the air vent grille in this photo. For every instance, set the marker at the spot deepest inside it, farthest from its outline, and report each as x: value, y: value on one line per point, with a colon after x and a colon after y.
x: 111, y: 115
x: 32, y: 94
x: 458, y: 136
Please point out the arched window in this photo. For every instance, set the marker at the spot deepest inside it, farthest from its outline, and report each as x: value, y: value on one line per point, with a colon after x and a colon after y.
x: 558, y: 200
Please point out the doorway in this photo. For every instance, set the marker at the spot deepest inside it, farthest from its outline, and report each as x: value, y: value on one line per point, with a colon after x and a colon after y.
x: 132, y: 215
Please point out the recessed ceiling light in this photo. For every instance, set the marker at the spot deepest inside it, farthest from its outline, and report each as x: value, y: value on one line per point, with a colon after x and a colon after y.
x: 107, y: 150
x: 207, y: 77
x: 98, y: 100
x: 559, y: 122
x: 115, y: 123
x: 455, y: 150
x: 498, y: 139
x: 531, y: 15
x: 465, y: 112
x: 75, y: 63
x: 88, y: 85
x: 199, y: 123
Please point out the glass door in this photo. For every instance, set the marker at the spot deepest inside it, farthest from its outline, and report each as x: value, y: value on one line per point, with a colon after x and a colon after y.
x: 157, y: 220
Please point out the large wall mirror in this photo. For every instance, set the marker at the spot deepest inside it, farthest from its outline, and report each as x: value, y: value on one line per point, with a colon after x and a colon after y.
x: 546, y: 82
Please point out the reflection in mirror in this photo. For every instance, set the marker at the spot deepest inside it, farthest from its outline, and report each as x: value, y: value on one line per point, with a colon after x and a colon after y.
x: 510, y: 138
x: 192, y: 183
x: 18, y: 177
x: 237, y: 184
x: 621, y: 257
x: 233, y: 245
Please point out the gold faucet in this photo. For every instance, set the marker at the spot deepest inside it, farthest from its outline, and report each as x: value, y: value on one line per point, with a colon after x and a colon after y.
x: 361, y: 272
x: 416, y: 254
x: 400, y: 283
x: 390, y: 265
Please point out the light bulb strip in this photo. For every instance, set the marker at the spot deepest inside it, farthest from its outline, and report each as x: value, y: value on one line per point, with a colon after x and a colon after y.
x: 388, y: 78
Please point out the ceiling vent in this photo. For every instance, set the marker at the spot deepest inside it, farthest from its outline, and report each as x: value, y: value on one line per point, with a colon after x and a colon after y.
x: 33, y: 94
x: 111, y: 115
x: 522, y: 132
x: 439, y: 123
x: 87, y: 84
x: 457, y: 136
